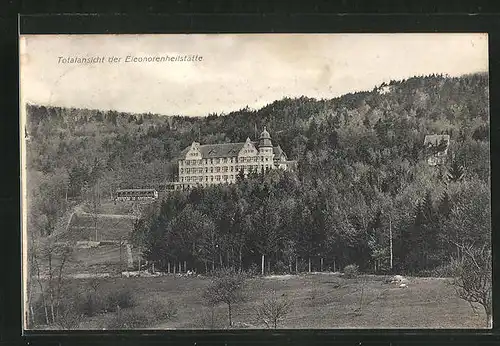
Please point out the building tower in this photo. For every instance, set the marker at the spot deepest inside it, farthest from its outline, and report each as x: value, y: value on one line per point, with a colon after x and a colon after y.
x: 266, y: 149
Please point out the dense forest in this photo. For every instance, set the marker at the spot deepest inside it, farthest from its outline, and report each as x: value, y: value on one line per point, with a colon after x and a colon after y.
x: 362, y: 178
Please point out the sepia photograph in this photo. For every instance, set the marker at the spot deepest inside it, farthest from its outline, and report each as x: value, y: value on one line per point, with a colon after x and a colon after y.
x: 255, y: 181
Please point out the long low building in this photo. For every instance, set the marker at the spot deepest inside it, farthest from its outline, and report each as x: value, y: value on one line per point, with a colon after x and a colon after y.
x: 211, y: 164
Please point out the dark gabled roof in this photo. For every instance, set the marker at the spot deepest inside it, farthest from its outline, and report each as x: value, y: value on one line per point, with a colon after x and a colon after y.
x: 436, y: 139
x: 225, y: 150
x: 277, y: 151
x: 221, y: 150
x: 216, y: 150
x: 135, y: 190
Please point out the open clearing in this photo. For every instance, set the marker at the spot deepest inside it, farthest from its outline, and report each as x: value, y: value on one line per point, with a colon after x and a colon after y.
x: 109, y: 227
x: 318, y: 301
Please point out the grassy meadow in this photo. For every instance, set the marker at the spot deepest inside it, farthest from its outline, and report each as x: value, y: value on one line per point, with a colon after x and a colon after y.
x: 319, y: 300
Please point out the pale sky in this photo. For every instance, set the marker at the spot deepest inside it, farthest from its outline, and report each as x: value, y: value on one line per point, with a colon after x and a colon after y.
x: 236, y: 71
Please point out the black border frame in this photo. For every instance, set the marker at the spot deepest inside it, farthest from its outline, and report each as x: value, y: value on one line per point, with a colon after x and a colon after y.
x: 254, y: 22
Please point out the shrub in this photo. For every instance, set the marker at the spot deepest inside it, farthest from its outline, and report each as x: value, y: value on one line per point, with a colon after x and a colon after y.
x: 281, y: 268
x: 69, y: 317
x: 158, y: 310
x: 121, y: 299
x: 128, y: 320
x: 253, y: 270
x: 351, y: 271
x: 445, y: 270
x: 91, y: 305
x: 67, y: 314
x: 211, y: 318
x: 273, y: 309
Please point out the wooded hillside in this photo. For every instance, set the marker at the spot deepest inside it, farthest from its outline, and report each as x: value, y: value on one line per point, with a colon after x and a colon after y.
x: 362, y: 173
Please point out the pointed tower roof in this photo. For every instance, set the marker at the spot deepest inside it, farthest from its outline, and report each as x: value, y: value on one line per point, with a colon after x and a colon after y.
x: 265, y: 139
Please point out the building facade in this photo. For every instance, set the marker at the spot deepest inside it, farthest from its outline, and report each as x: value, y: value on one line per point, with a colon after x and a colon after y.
x: 436, y: 147
x: 212, y: 164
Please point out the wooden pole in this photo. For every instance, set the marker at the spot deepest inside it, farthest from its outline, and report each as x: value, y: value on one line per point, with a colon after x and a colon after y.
x: 121, y: 258
x: 390, y: 238
x: 262, y: 264
x: 241, y: 263
x: 321, y: 266
x: 168, y: 267
x: 309, y: 264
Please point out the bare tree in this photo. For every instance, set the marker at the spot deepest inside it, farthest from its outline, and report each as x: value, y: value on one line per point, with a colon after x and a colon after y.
x: 226, y: 287
x: 273, y: 309
x: 48, y: 261
x: 472, y: 278
x: 364, y: 298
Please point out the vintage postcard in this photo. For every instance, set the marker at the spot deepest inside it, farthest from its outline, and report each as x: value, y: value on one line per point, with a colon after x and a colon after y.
x: 254, y: 181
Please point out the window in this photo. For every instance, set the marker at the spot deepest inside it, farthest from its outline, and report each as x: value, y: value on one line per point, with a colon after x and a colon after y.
x: 211, y: 161
x: 217, y: 169
x: 211, y: 169
x: 225, y: 176
x: 201, y: 178
x: 212, y: 178
x: 206, y: 169
x: 217, y: 160
x: 217, y: 177
x: 267, y: 158
x: 182, y: 179
x: 182, y: 170
x: 237, y: 167
x: 224, y: 169
x: 232, y: 168
x: 206, y: 178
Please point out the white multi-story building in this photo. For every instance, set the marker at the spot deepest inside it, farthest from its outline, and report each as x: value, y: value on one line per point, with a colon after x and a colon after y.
x: 204, y: 165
